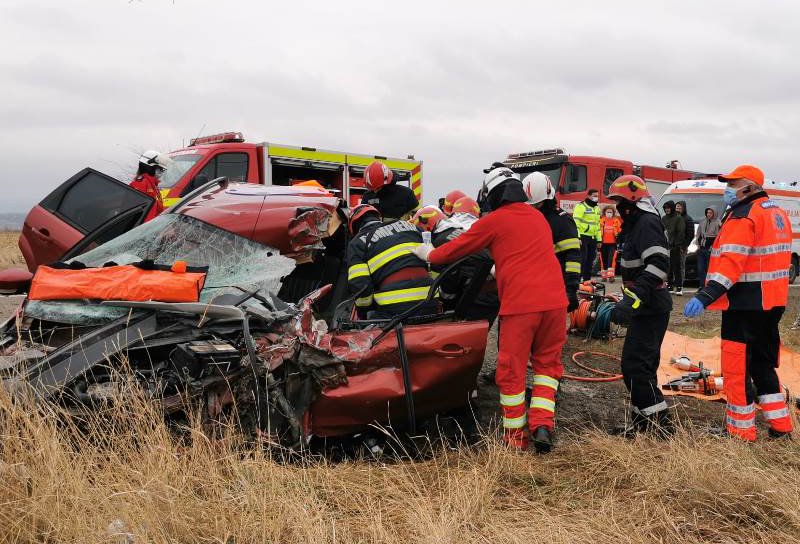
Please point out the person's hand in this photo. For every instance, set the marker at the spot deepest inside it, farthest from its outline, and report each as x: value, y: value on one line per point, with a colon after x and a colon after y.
x: 694, y: 308
x: 622, y: 314
x: 422, y: 251
x: 572, y: 298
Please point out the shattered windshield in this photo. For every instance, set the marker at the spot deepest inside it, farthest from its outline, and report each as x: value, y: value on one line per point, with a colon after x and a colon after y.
x: 178, y: 167
x: 232, y: 261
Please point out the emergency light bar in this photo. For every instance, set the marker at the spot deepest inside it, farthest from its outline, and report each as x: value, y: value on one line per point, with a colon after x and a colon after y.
x: 221, y: 138
x: 539, y: 153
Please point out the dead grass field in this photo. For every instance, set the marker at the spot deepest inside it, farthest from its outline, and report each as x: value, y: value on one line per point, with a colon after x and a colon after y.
x: 123, y: 476
x: 9, y: 251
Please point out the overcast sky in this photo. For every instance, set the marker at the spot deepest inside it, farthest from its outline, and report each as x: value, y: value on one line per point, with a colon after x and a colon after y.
x: 92, y: 83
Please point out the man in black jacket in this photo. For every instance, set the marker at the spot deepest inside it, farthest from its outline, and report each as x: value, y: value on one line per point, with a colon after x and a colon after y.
x: 688, y: 222
x: 646, y: 304
x: 382, y: 269
x: 675, y: 227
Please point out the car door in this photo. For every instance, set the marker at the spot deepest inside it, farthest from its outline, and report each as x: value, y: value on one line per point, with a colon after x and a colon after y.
x: 444, y: 360
x: 90, y: 205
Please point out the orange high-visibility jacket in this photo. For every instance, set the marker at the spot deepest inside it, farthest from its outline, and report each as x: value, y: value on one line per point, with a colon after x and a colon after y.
x: 749, y: 266
x: 610, y: 229
x: 127, y: 282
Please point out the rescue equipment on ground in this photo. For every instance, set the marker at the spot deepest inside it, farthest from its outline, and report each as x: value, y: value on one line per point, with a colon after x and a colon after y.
x: 142, y: 281
x: 698, y: 380
x: 601, y: 375
x: 593, y: 314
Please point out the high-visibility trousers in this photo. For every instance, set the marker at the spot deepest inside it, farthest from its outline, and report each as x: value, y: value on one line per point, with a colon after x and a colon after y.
x: 750, y: 354
x: 539, y: 337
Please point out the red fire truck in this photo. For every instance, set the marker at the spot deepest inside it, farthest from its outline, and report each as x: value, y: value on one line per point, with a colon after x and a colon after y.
x: 574, y: 175
x: 227, y: 154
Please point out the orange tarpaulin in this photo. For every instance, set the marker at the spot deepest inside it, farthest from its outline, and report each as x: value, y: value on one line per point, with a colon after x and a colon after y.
x: 708, y: 351
x: 126, y: 282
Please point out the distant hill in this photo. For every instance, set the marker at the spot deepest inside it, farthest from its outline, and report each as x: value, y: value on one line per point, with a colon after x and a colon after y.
x: 11, y: 221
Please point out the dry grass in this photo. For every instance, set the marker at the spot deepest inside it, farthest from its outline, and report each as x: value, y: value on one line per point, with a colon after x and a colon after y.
x: 124, y: 472
x: 9, y: 251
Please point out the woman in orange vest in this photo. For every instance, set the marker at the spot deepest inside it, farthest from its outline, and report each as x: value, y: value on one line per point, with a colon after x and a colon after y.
x: 610, y: 227
x: 748, y: 279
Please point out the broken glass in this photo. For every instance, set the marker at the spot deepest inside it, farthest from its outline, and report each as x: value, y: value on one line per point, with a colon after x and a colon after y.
x: 232, y: 260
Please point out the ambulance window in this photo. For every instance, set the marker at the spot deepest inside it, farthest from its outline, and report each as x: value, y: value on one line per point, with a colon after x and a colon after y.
x: 575, y: 180
x: 93, y: 200
x: 233, y: 166
x: 611, y: 175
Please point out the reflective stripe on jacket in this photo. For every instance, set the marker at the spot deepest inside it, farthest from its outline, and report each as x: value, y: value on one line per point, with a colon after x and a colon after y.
x: 566, y: 244
x: 587, y: 219
x: 610, y: 229
x: 750, y: 258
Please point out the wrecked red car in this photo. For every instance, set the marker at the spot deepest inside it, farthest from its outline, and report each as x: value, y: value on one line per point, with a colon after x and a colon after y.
x: 272, y: 334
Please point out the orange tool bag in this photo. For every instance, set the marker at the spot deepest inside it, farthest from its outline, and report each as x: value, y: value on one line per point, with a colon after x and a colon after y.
x: 140, y: 281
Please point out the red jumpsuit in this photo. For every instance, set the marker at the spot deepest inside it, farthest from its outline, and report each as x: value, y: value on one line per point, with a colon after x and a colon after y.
x: 532, y: 313
x: 147, y: 184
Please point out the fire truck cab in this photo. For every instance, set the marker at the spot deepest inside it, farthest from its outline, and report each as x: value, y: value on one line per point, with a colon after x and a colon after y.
x: 228, y: 155
x: 574, y: 175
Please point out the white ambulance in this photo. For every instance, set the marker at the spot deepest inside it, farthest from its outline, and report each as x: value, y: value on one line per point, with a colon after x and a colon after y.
x: 700, y: 194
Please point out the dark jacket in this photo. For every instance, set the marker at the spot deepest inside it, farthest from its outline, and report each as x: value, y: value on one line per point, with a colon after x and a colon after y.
x: 645, y: 261
x: 393, y: 201
x: 378, y: 252
x: 566, y: 243
x: 674, y: 225
x: 689, y: 225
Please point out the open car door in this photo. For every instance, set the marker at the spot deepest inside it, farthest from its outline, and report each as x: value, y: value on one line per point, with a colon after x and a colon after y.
x: 89, y: 208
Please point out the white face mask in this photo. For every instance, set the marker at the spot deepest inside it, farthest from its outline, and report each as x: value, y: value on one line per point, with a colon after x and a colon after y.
x: 609, y: 215
x: 594, y: 198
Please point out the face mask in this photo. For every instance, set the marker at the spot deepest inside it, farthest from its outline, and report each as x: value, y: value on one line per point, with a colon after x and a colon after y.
x: 609, y: 215
x: 594, y: 198
x: 729, y: 196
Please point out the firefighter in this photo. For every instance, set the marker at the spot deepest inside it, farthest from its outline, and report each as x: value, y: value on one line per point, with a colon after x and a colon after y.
x: 542, y: 196
x: 533, y: 303
x: 610, y: 227
x: 468, y: 206
x: 748, y: 279
x: 646, y: 304
x: 450, y: 199
x: 587, y: 218
x: 444, y: 229
x: 151, y: 165
x: 393, y: 201
x: 382, y: 269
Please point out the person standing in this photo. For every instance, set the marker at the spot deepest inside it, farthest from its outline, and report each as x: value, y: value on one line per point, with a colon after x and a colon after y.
x: 587, y: 218
x: 393, y: 201
x: 610, y: 227
x: 645, y: 306
x: 533, y: 303
x: 748, y: 279
x: 542, y: 196
x: 706, y: 234
x: 688, y: 236
x: 151, y: 165
x: 675, y: 227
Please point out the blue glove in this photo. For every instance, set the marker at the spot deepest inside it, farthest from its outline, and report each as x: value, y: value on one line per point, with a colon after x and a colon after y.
x: 694, y: 308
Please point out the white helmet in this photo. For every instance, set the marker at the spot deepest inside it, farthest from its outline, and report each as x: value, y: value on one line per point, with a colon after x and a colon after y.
x: 498, y: 175
x: 538, y: 187
x: 155, y: 158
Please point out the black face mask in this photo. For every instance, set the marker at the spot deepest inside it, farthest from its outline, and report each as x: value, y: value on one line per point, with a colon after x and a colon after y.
x: 625, y: 208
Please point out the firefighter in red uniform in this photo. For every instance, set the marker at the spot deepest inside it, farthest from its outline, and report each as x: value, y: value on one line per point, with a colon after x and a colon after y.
x: 748, y: 279
x: 151, y: 166
x: 533, y: 303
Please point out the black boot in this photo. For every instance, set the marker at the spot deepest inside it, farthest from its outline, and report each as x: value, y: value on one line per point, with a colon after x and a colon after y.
x: 779, y: 435
x: 542, y: 440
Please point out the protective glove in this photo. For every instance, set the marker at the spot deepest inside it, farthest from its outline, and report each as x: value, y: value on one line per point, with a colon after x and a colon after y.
x: 572, y: 298
x: 694, y: 308
x: 622, y: 314
x: 422, y: 251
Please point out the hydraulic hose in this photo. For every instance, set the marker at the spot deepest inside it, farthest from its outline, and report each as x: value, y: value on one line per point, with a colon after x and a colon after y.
x: 601, y: 375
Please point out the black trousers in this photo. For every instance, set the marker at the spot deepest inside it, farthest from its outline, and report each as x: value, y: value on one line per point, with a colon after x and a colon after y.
x: 759, y: 331
x: 677, y: 260
x: 588, y: 255
x: 641, y: 355
x: 607, y: 255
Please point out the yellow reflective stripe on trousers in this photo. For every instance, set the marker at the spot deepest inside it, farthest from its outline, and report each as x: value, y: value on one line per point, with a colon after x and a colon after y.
x: 543, y: 404
x: 402, y: 295
x: 512, y: 400
x: 515, y: 422
x: 357, y: 271
x: 390, y: 254
x: 567, y: 243
x: 547, y: 381
x: 364, y: 301
x: 573, y: 266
